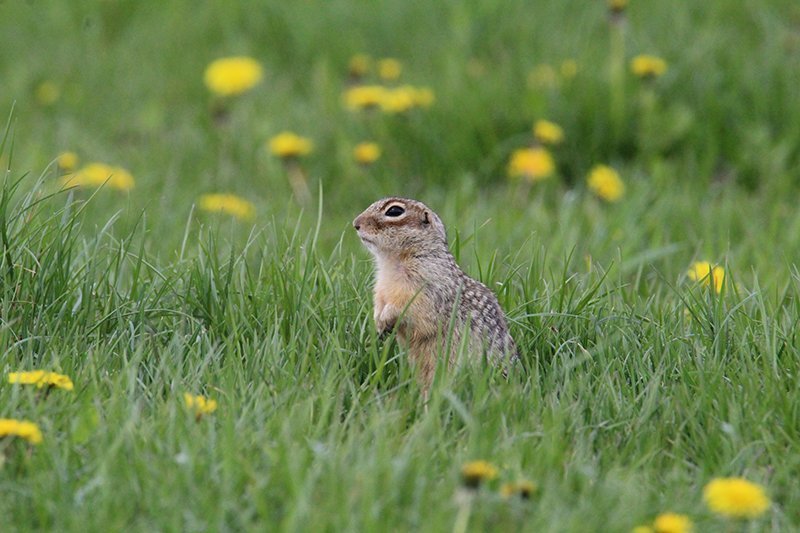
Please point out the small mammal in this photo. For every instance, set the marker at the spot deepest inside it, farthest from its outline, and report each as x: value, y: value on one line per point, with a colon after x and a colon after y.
x: 422, y: 293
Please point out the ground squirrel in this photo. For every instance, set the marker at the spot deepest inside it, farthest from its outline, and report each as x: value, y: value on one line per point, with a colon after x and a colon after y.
x: 421, y: 291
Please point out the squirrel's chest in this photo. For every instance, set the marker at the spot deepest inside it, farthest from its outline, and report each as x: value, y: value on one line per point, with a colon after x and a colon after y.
x: 393, y: 286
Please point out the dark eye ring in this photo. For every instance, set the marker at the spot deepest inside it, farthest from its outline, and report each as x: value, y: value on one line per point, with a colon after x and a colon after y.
x: 395, y: 211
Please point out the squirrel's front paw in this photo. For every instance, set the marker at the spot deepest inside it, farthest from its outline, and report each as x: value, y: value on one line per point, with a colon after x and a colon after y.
x: 385, y: 322
x: 384, y: 327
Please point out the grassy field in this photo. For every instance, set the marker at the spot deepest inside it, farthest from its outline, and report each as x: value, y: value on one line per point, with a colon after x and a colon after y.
x: 638, y: 385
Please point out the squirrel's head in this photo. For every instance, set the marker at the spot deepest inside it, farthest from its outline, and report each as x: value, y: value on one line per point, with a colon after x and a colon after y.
x: 400, y: 226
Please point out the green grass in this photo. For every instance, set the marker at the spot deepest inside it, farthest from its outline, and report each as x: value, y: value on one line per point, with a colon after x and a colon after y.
x: 637, y: 385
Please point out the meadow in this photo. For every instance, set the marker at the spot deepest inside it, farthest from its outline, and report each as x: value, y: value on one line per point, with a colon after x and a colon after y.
x: 655, y: 310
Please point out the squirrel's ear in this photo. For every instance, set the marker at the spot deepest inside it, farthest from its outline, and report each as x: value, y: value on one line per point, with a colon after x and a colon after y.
x: 425, y: 219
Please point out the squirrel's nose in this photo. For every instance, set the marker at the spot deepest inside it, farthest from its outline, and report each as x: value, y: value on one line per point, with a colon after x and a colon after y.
x: 357, y: 224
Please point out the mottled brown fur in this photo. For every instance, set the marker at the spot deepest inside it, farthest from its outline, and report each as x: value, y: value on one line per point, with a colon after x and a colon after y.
x: 420, y: 290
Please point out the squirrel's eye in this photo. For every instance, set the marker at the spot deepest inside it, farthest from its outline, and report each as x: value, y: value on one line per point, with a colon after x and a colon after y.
x: 395, y: 211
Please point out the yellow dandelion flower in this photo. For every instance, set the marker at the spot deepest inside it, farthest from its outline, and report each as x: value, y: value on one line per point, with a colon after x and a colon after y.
x: 522, y: 488
x: 707, y: 274
x: 605, y: 182
x: 230, y: 76
x: 227, y: 203
x: 366, y: 153
x: 96, y: 174
x: 67, y: 160
x: 647, y: 66
x: 199, y: 404
x: 399, y: 100
x: 617, y: 6
x: 23, y: 429
x: 736, y: 498
x: 364, y: 96
x: 476, y: 472
x: 47, y: 93
x: 533, y: 164
x: 359, y: 65
x: 405, y: 98
x: 288, y: 145
x: 40, y: 378
x: 569, y: 69
x: 547, y: 132
x: 672, y: 523
x: 642, y: 529
x: 389, y: 69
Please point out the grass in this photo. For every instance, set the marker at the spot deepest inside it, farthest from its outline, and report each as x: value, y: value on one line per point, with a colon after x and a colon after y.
x: 637, y: 384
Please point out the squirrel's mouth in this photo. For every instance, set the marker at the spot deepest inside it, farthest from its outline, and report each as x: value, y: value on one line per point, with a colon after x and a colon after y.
x: 365, y: 239
x: 370, y: 243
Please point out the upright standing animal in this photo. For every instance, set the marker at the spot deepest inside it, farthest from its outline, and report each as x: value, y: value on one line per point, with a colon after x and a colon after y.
x: 422, y: 293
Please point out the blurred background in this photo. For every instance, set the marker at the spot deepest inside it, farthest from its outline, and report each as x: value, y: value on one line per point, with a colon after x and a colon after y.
x: 718, y: 124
